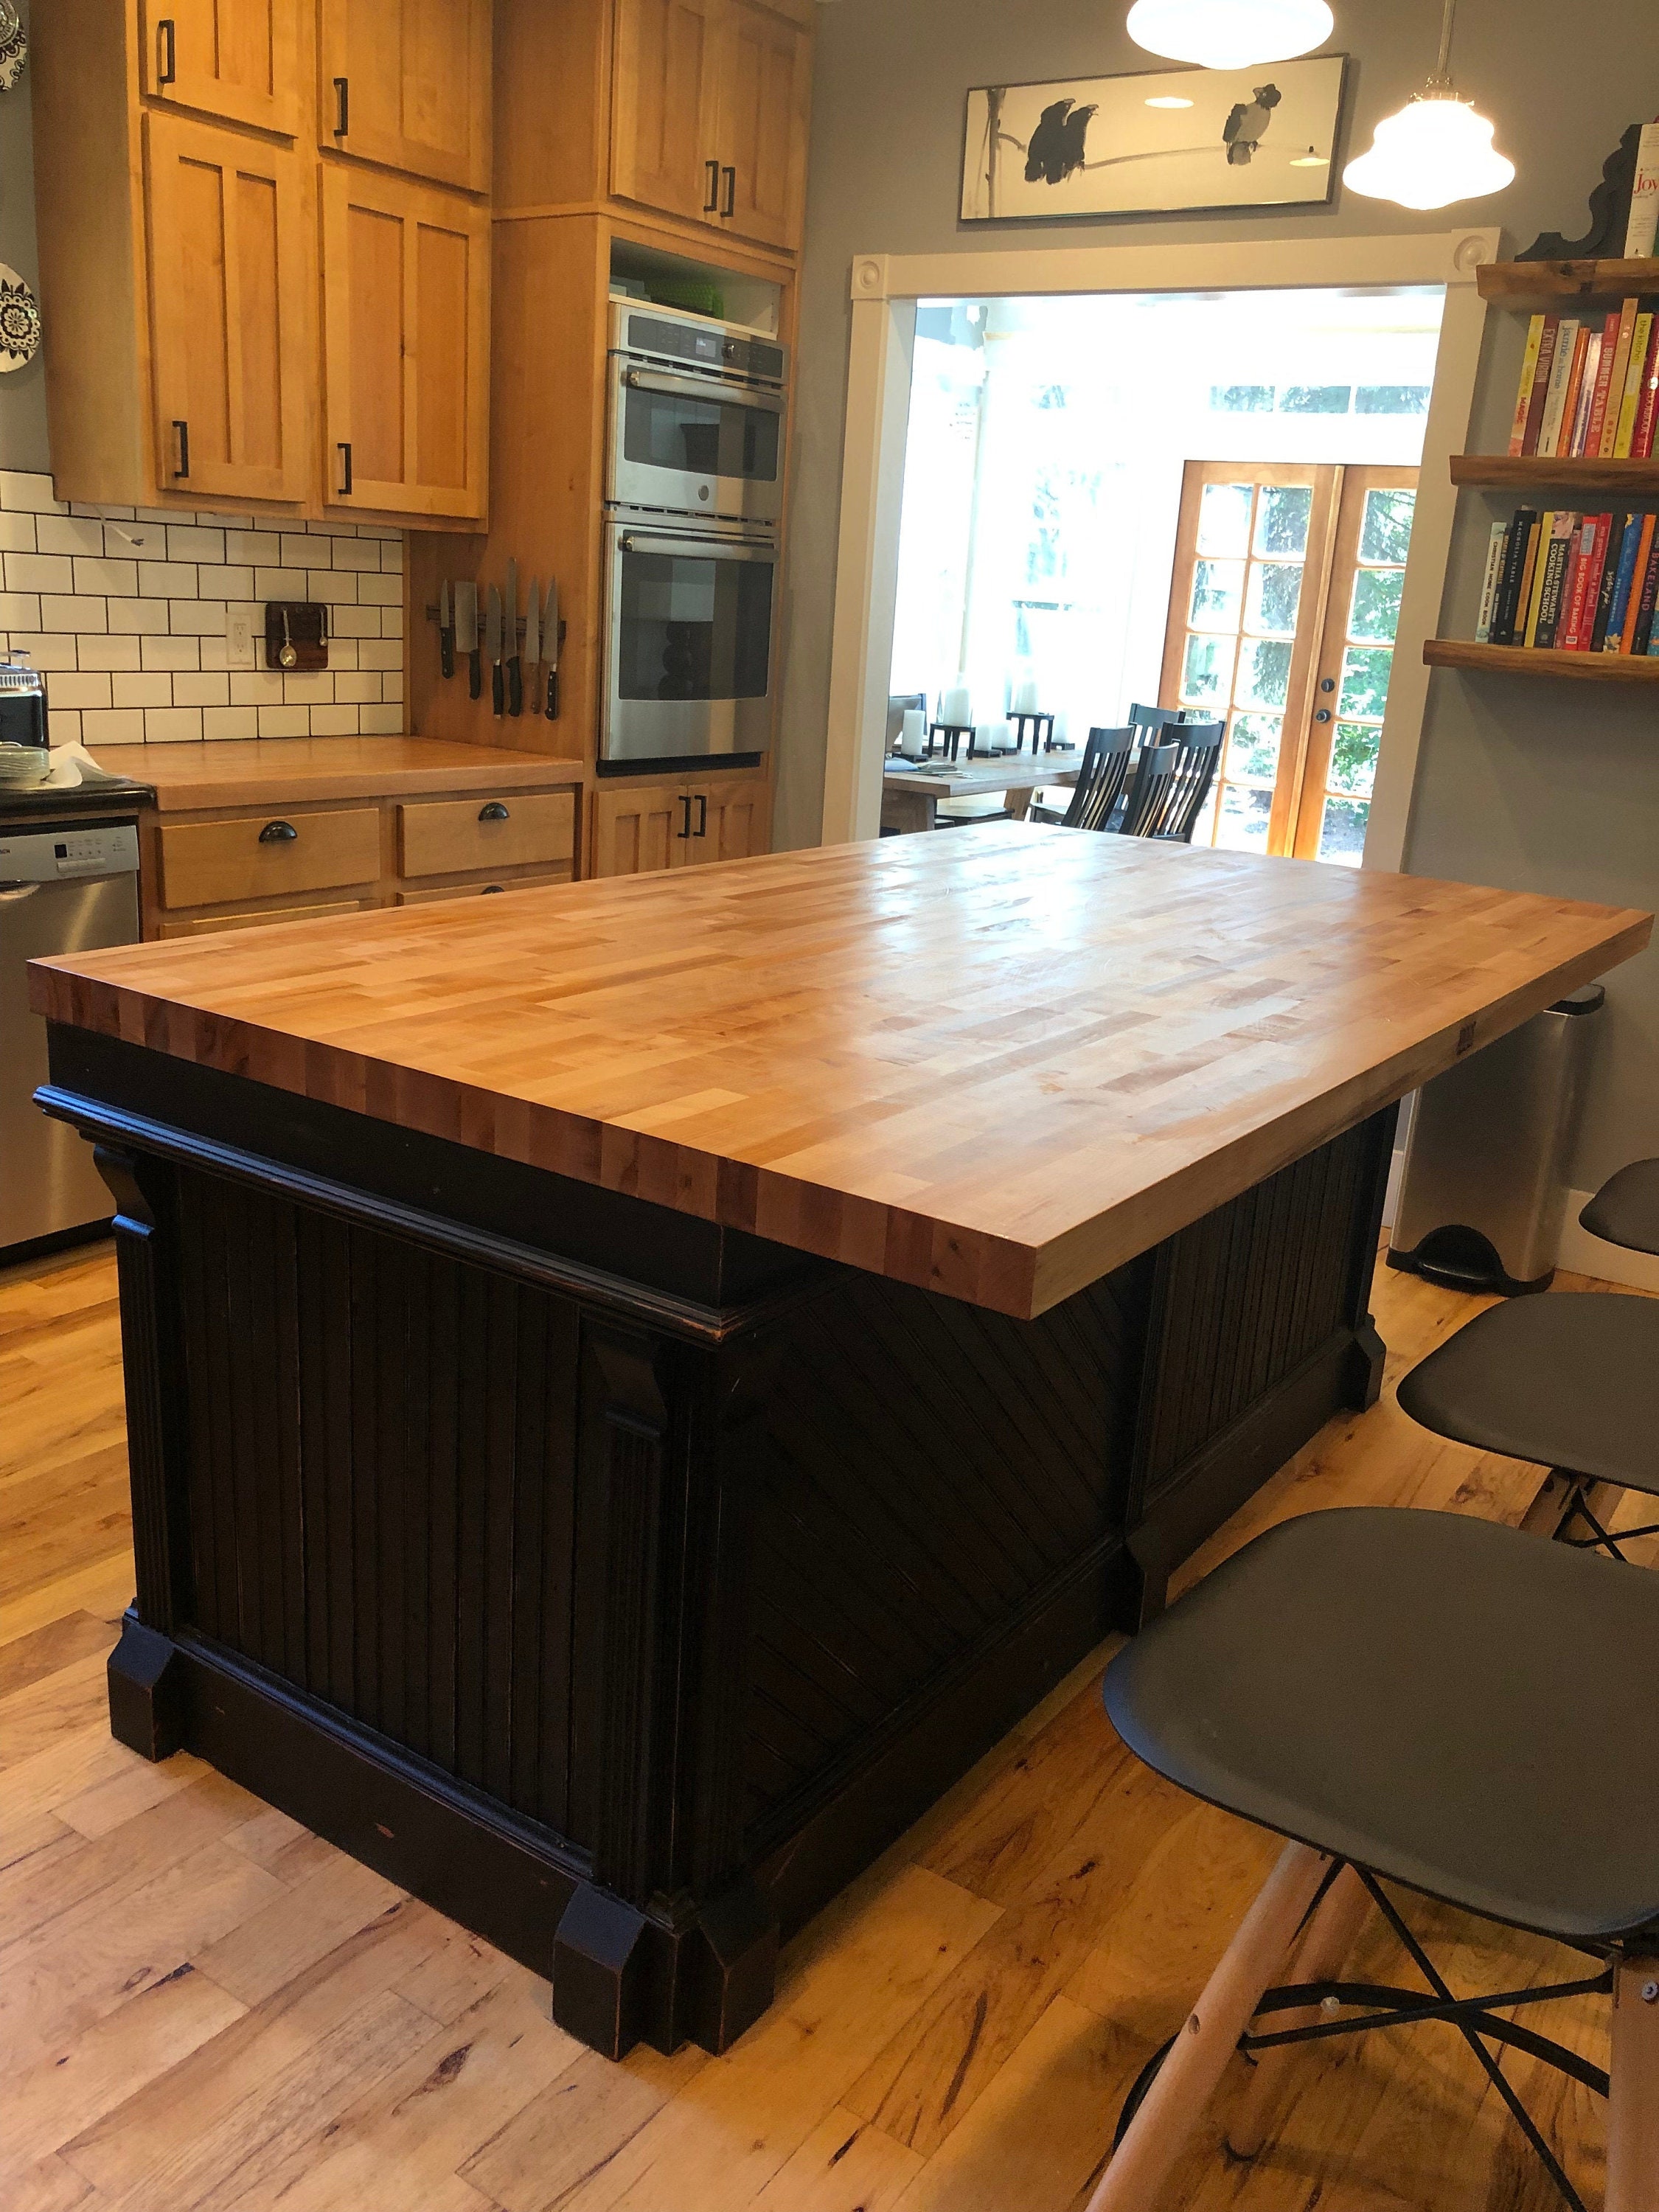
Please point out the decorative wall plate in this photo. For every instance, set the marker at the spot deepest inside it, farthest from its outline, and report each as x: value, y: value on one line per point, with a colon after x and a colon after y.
x: 13, y: 46
x: 20, y: 321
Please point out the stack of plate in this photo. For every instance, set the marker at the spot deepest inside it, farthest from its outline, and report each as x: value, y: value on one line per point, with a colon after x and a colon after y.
x: 21, y: 767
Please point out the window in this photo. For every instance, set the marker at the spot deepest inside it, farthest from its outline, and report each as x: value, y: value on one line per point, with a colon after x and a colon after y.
x: 1284, y: 604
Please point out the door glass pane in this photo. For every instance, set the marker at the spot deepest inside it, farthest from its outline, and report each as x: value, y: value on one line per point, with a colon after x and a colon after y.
x: 1281, y: 523
x: 1207, y: 670
x: 1386, y: 532
x: 1374, y: 612
x: 1253, y: 748
x: 1353, y: 757
x: 1217, y: 587
x: 1342, y: 832
x: 1242, y: 825
x: 1264, y: 673
x: 1364, y: 688
x: 1224, y: 519
x: 1271, y: 601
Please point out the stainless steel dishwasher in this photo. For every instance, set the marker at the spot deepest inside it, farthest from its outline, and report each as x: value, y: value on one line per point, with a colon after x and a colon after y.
x: 64, y: 887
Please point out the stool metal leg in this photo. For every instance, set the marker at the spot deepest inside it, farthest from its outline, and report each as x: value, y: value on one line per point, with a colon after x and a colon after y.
x: 1184, y: 2084
x: 1633, y: 2089
x: 1332, y: 1934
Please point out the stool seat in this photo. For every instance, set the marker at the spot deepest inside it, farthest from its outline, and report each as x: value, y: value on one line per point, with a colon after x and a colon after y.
x: 1570, y: 1380
x: 1625, y: 1210
x: 1458, y: 1706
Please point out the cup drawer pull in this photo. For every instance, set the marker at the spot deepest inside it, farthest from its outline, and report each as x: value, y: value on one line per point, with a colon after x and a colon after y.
x: 493, y: 810
x: 278, y: 833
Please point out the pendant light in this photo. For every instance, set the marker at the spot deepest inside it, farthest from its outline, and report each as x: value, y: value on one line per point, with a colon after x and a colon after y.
x: 1230, y: 34
x: 1436, y: 150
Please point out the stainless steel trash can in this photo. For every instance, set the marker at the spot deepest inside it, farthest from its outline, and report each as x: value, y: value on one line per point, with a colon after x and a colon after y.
x: 1485, y: 1184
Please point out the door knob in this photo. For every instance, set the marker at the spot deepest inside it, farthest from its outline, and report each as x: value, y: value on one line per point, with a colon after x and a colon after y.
x: 1324, y: 715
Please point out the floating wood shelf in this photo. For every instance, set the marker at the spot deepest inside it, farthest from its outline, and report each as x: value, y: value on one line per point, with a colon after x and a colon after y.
x: 1535, y: 287
x: 1524, y: 471
x: 1530, y: 660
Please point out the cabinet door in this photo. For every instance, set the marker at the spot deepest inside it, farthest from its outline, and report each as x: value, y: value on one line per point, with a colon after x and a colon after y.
x: 237, y: 58
x: 233, y: 276
x: 406, y: 335
x: 640, y: 830
x: 663, y: 126
x: 728, y: 821
x: 406, y: 84
x: 763, y: 114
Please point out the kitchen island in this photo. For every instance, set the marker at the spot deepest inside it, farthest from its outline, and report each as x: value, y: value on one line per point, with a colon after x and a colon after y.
x: 632, y: 1386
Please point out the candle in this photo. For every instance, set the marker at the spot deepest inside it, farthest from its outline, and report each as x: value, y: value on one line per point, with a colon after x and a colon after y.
x: 1024, y: 700
x: 1002, y: 737
x: 956, y: 706
x: 914, y: 735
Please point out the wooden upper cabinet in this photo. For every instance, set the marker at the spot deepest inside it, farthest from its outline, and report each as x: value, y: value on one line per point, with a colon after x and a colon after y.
x: 663, y: 131
x: 405, y: 83
x: 232, y: 273
x: 406, y: 346
x: 762, y: 115
x: 238, y: 59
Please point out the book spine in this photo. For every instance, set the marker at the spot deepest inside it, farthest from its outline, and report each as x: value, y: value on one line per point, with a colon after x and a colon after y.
x: 1603, y: 382
x: 1638, y: 579
x: 1616, y: 381
x: 1555, y: 571
x: 1524, y: 397
x: 1583, y: 579
x: 1555, y: 397
x: 1540, y: 561
x: 1543, y: 368
x: 1609, y: 585
x: 1570, y: 399
x: 1523, y: 595
x: 1509, y: 585
x: 1641, y: 338
x: 1642, y: 228
x: 1641, y: 443
x: 1586, y: 392
x: 1489, y: 583
x: 1642, y: 643
x: 1612, y: 630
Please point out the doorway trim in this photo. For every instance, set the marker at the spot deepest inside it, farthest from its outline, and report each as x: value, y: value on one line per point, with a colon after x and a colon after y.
x: 885, y: 289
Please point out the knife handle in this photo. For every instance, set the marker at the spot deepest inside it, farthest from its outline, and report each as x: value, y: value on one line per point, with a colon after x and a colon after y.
x: 474, y: 674
x: 497, y: 688
x: 446, y: 651
x: 515, y: 686
x: 552, y: 694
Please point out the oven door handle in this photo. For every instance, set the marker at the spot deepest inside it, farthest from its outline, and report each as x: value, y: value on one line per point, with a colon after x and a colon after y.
x: 697, y: 549
x: 694, y: 388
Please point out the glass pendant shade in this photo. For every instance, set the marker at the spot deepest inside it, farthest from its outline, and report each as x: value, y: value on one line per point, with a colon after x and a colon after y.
x: 1435, y: 151
x: 1229, y: 34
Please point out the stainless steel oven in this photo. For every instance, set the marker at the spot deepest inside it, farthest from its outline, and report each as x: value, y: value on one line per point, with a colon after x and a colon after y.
x: 696, y: 416
x: 690, y: 638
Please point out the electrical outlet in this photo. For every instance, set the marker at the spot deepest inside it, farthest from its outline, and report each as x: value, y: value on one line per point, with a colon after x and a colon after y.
x: 239, y: 638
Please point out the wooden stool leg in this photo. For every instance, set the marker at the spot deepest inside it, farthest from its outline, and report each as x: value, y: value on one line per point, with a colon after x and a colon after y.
x: 1332, y: 1934
x: 1183, y: 2085
x: 1633, y: 2096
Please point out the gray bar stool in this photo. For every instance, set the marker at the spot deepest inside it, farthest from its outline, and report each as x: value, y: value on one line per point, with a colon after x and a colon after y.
x: 1423, y: 1699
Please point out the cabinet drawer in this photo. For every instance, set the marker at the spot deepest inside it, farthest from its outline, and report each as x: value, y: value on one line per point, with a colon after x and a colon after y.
x: 210, y: 863
x: 476, y: 890
x: 198, y: 925
x: 442, y: 837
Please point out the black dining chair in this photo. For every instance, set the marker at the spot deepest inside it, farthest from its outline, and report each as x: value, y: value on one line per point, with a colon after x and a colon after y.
x: 1101, y: 779
x: 1421, y: 1701
x: 1172, y: 783
x: 1150, y: 724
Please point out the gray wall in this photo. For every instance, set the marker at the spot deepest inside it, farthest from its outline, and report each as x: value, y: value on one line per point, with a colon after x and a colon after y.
x: 1523, y: 783
x: 23, y: 393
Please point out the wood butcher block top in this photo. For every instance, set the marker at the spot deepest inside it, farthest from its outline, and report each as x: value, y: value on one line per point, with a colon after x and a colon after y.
x: 283, y: 771
x: 996, y: 1062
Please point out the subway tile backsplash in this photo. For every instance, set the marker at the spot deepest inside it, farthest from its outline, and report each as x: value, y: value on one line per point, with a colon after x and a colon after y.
x: 125, y: 614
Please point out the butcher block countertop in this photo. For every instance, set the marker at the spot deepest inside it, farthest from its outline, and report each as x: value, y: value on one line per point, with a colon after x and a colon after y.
x: 269, y: 771
x: 995, y: 1062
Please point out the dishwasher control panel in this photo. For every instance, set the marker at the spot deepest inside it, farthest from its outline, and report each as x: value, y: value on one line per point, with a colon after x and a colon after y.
x: 60, y: 856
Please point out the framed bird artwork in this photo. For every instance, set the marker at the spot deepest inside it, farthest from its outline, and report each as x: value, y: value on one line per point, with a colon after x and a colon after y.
x: 1159, y: 141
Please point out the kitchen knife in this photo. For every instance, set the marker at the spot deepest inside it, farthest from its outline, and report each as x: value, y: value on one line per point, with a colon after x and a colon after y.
x: 466, y: 634
x: 445, y: 633
x: 493, y: 650
x: 514, y: 665
x: 533, y: 631
x: 551, y: 646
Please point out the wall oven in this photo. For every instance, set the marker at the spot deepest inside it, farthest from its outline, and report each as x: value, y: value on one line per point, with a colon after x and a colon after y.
x: 696, y: 416
x: 690, y: 648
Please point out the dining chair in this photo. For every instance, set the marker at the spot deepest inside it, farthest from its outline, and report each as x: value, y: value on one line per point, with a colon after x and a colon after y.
x: 1172, y: 782
x: 1103, y: 777
x: 1150, y: 723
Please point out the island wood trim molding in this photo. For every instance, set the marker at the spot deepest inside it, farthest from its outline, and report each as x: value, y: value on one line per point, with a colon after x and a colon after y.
x: 996, y: 1065
x: 884, y: 289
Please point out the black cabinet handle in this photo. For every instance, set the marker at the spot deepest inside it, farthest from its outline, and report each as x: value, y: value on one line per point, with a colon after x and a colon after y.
x: 711, y: 205
x: 684, y: 831
x: 167, y: 71
x: 183, y: 428
x: 488, y: 887
x: 702, y: 829
x: 278, y: 833
x: 493, y: 810
x: 730, y: 177
x: 344, y: 450
x: 342, y: 106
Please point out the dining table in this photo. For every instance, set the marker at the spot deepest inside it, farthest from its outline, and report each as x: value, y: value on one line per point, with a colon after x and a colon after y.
x: 911, y: 790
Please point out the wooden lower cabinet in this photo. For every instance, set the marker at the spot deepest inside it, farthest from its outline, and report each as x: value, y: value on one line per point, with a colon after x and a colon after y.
x: 200, y: 925
x: 427, y: 895
x: 640, y: 829
x: 444, y: 836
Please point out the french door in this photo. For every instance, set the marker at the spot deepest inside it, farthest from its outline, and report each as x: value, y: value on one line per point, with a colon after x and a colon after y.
x: 1284, y: 604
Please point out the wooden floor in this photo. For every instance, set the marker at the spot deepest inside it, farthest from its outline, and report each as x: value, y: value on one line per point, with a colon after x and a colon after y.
x: 201, y: 2005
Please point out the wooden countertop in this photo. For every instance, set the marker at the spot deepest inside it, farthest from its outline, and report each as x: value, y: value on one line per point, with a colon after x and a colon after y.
x: 259, y: 771
x: 996, y: 1062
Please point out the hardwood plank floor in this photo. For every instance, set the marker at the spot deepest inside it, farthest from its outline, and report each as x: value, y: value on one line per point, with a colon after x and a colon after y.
x: 203, y: 2006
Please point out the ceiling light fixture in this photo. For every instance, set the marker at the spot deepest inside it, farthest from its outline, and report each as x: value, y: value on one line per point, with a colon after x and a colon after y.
x: 1436, y: 150
x: 1310, y: 160
x: 1169, y: 100
x: 1230, y: 34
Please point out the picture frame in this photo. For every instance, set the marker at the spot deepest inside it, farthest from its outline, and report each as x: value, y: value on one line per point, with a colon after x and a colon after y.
x: 1154, y: 141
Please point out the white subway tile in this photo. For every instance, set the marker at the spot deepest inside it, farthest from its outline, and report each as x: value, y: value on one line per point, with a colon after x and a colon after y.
x: 260, y: 549
x: 231, y: 722
x: 380, y: 591
x: 69, y: 533
x: 381, y: 722
x: 16, y: 533
x: 110, y: 653
x: 334, y: 721
x: 117, y: 579
x: 224, y: 583
x: 391, y: 621
x: 310, y: 686
x: 154, y: 690
x: 191, y: 544
x: 354, y: 622
x: 78, y: 614
x: 124, y: 727
x: 197, y: 617
x: 381, y: 653
x: 356, y: 553
x: 343, y: 653
x: 20, y: 610
x: 39, y: 572
x: 391, y: 556
x: 392, y: 685
x: 352, y: 691
x: 302, y: 550
x: 170, y: 652
x: 213, y: 652
x: 334, y: 588
x: 64, y: 689
x: 284, y: 721
x: 256, y: 687
x: 50, y: 653
x: 175, y: 515
x: 166, y: 580
x: 378, y: 532
x: 207, y: 689
x: 173, y: 725
x: 279, y: 583
x: 145, y: 541
x: 66, y: 726
x: 25, y: 494
x: 139, y: 617
x: 114, y: 513
x: 331, y: 529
